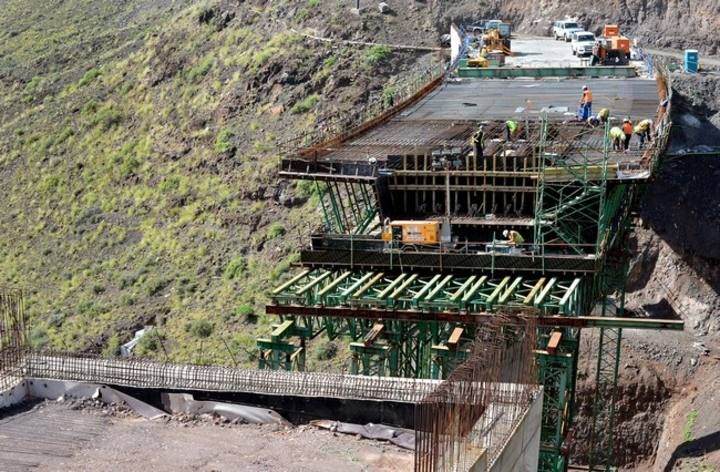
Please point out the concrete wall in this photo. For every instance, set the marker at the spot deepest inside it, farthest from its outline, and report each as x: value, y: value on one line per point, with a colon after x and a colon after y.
x: 522, y: 449
x: 14, y: 395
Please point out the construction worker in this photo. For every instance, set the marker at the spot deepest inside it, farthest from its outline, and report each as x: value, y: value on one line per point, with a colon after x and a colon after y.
x: 616, y: 134
x: 644, y: 130
x: 585, y: 103
x: 513, y: 237
x: 593, y: 121
x: 603, y: 115
x: 511, y: 128
x: 595, y: 54
x: 627, y: 128
x: 478, y: 143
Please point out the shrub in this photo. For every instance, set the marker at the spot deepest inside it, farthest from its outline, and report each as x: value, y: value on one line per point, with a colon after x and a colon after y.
x: 223, y: 141
x: 149, y: 343
x: 201, y: 69
x: 98, y: 289
x: 129, y: 166
x: 57, y: 319
x: 108, y: 118
x: 89, y: 76
x: 326, y: 351
x: 306, y: 104
x: 153, y: 285
x: 377, y: 54
x: 247, y: 313
x: 112, y: 348
x: 170, y: 184
x: 39, y: 338
x: 200, y: 328
x: 235, y: 267
x: 313, y: 3
x: 276, y: 230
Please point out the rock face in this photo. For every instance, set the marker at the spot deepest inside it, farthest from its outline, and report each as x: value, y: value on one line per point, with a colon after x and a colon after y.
x: 643, y: 393
x: 661, y: 23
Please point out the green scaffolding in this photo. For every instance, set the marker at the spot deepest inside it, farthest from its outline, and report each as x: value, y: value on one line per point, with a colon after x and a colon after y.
x: 348, y: 207
x: 571, y: 193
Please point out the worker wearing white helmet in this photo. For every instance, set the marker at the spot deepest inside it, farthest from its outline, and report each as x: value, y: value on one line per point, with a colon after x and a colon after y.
x: 513, y: 237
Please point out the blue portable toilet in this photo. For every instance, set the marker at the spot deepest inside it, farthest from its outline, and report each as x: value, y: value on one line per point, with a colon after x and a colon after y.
x: 692, y: 60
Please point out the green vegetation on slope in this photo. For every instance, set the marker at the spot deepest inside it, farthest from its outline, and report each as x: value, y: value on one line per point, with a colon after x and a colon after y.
x: 138, y: 159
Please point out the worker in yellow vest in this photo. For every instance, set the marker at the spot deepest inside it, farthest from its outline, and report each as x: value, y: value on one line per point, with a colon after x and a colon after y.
x: 644, y: 131
x: 478, y: 143
x: 617, y: 135
x: 513, y: 237
x: 603, y: 115
x: 511, y: 128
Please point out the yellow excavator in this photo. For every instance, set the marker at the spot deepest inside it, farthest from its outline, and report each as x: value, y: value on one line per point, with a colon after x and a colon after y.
x: 494, y: 42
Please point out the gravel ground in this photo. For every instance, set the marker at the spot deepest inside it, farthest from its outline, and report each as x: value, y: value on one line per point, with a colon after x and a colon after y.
x: 96, y: 437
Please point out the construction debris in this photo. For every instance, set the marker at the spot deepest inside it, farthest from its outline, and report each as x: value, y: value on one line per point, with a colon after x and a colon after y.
x: 400, y: 437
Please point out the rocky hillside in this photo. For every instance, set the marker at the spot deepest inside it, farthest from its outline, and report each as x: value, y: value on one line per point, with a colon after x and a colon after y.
x: 138, y: 151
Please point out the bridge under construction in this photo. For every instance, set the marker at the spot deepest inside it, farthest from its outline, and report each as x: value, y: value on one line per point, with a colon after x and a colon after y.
x: 460, y: 276
x: 411, y: 265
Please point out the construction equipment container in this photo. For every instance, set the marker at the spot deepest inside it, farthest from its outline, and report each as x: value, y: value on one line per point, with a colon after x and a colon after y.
x: 412, y: 232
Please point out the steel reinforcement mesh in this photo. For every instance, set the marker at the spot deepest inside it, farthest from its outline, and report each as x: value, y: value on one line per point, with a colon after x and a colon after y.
x: 474, y: 411
x: 159, y: 375
x: 13, y: 337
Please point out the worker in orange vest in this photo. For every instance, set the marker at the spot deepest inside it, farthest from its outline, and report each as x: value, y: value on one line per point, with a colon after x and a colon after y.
x: 627, y: 128
x: 586, y: 103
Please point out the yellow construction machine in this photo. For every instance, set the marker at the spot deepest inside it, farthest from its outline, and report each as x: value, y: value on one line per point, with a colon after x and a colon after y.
x: 494, y: 46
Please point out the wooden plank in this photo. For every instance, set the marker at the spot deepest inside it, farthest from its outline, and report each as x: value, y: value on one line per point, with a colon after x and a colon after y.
x: 510, y: 290
x: 367, y: 286
x: 370, y: 338
x: 438, y: 287
x: 545, y: 291
x: 313, y: 283
x: 334, y: 283
x: 290, y: 282
x: 404, y: 285
x: 569, y: 291
x: 462, y: 288
x: 554, y: 342
x: 455, y: 337
x: 357, y: 284
x: 391, y: 286
x: 497, y: 290
x: 531, y: 295
x: 475, y: 288
x: 427, y: 286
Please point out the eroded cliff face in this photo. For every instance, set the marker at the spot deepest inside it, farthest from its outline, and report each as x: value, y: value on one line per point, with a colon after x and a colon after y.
x: 676, y: 24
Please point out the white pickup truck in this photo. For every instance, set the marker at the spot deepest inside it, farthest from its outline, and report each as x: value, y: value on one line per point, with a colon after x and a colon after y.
x: 582, y: 43
x: 564, y: 29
